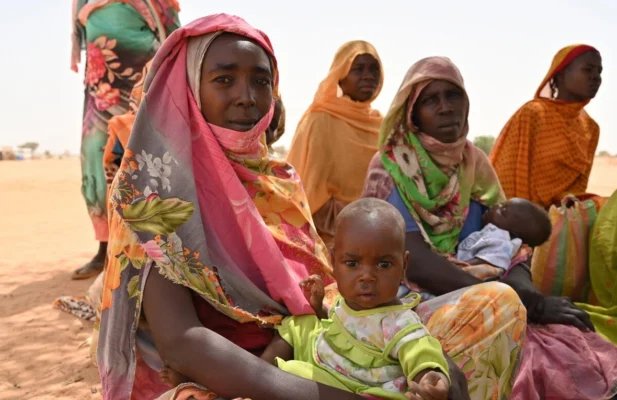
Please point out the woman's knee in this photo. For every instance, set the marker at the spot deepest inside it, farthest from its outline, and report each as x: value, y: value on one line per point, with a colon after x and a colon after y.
x: 502, y: 296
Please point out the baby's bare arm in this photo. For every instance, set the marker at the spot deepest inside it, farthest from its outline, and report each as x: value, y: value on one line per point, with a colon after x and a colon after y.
x: 278, y: 348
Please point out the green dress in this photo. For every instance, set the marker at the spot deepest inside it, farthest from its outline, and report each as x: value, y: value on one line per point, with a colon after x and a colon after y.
x: 370, y: 352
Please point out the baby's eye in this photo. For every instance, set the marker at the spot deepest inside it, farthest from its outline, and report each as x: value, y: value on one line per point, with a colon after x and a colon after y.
x: 384, y: 264
x: 351, y: 263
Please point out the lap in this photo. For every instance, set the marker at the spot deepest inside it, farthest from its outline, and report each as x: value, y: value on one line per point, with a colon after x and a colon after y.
x: 473, y: 316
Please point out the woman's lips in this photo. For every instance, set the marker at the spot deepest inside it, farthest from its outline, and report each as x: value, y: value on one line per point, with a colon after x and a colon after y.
x: 242, y: 125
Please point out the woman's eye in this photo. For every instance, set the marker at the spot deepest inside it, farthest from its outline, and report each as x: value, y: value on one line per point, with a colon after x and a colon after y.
x: 263, y: 81
x: 222, y: 79
x: 430, y: 100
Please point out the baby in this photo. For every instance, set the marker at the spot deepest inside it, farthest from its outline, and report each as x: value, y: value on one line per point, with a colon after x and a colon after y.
x: 507, y: 227
x: 372, y: 343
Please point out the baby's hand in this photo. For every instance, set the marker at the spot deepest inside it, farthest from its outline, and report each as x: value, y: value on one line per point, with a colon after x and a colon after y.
x: 432, y: 386
x: 314, y: 292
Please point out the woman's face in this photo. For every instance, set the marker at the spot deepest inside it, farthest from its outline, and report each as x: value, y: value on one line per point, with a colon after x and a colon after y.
x: 236, y: 83
x: 441, y: 111
x: 363, y: 78
x: 581, y: 79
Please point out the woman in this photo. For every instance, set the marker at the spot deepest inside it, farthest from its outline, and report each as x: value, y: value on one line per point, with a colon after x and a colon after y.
x: 442, y: 185
x: 207, y: 233
x: 120, y: 37
x: 337, y: 136
x: 547, y: 148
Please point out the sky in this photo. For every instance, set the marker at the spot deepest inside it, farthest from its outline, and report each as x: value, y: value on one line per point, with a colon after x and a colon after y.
x: 503, y: 50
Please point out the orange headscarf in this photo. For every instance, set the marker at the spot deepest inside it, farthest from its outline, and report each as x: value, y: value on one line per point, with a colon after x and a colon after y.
x: 547, y: 148
x: 337, y: 137
x: 329, y: 99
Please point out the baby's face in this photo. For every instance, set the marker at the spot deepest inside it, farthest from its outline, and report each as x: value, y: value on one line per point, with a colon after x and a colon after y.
x: 369, y: 261
x: 510, y: 216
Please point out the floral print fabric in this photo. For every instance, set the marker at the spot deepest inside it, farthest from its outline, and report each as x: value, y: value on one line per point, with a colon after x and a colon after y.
x: 119, y: 41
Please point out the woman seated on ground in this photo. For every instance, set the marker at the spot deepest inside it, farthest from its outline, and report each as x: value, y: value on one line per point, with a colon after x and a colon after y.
x: 337, y: 136
x: 546, y: 150
x: 208, y: 234
x: 442, y: 185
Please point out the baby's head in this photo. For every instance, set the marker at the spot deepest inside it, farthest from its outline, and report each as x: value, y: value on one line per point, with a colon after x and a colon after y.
x: 369, y: 255
x: 521, y: 218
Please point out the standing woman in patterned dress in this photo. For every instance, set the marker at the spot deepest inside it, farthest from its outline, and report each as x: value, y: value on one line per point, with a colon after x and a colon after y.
x: 119, y: 37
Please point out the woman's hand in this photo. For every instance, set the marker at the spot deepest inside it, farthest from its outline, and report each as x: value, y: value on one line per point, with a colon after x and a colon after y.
x: 545, y: 310
x: 559, y: 310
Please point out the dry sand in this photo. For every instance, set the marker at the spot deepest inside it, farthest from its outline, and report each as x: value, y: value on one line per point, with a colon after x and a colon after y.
x: 45, y: 234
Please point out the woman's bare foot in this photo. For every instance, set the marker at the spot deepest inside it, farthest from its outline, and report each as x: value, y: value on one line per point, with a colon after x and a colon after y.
x: 172, y: 378
x: 94, y: 266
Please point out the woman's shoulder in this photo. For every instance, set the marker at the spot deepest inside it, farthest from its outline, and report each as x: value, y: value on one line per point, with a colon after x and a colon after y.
x: 533, y: 107
x: 315, y: 124
x: 588, y: 119
x: 317, y: 118
x: 475, y: 155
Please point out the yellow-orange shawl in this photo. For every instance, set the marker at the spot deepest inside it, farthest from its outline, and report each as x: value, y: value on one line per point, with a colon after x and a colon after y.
x: 337, y: 137
x: 547, y: 148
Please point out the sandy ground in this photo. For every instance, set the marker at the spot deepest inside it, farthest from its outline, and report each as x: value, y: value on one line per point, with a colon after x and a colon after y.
x: 45, y: 234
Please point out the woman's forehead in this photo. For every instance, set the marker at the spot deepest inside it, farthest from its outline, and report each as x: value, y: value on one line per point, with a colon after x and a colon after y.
x: 438, y: 85
x: 232, y: 49
x: 590, y: 57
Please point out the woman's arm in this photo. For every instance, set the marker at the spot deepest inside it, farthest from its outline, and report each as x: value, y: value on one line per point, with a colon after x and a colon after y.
x: 432, y: 271
x: 213, y: 361
x: 545, y: 310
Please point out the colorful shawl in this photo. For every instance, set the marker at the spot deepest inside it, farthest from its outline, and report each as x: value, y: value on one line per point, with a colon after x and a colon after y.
x: 204, y: 206
x: 336, y: 137
x: 436, y: 180
x: 158, y: 14
x: 603, y: 271
x: 546, y: 150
